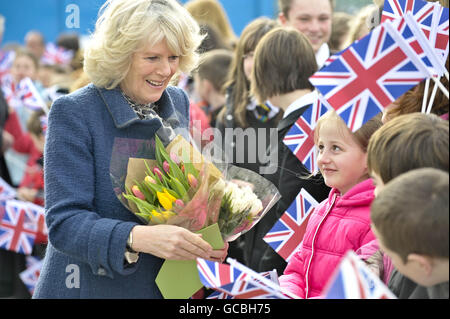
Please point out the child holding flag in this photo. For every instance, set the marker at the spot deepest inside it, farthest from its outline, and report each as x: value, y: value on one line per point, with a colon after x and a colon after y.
x: 31, y: 187
x: 341, y: 222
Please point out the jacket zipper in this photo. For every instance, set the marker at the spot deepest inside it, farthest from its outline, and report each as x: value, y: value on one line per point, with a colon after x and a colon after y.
x: 312, y: 244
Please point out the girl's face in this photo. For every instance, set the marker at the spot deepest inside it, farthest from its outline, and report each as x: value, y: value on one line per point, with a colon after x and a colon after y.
x: 151, y: 70
x: 23, y: 67
x: 248, y: 64
x: 341, y: 160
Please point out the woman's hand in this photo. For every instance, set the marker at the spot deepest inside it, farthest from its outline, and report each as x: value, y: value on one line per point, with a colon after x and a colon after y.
x: 27, y: 194
x: 175, y: 243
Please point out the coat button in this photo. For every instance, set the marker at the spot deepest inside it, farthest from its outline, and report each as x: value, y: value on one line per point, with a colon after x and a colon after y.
x: 229, y: 117
x: 101, y: 271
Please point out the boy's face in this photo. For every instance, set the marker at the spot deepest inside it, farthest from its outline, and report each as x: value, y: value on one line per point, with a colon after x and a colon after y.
x: 378, y: 182
x: 312, y: 18
x: 411, y: 269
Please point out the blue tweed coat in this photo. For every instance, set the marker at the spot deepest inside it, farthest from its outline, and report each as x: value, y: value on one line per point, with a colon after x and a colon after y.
x: 88, y: 226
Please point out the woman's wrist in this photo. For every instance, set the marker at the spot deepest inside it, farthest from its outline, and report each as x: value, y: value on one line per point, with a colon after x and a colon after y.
x: 136, y: 235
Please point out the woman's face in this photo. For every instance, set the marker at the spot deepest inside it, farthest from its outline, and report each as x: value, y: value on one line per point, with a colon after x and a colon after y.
x: 151, y: 70
x: 23, y: 67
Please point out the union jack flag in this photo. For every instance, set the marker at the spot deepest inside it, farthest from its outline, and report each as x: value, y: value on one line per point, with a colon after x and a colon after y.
x: 440, y: 37
x: 408, y: 28
x: 10, y: 92
x: 300, y: 138
x: 368, y: 76
x: 17, y: 228
x: 243, y: 289
x: 2, y: 208
x: 30, y: 96
x: 421, y: 10
x: 6, y: 62
x: 287, y: 234
x: 216, y: 275
x: 56, y: 55
x: 6, y: 191
x: 352, y: 279
x: 431, y: 17
x: 31, y: 274
x: 262, y: 282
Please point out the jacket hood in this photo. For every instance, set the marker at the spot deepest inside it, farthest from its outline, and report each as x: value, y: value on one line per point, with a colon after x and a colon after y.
x: 361, y: 194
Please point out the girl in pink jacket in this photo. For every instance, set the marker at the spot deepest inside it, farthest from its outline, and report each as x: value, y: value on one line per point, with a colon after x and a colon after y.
x: 341, y: 222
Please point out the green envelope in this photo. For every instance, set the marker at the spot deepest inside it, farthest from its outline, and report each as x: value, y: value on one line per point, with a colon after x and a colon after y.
x: 179, y: 279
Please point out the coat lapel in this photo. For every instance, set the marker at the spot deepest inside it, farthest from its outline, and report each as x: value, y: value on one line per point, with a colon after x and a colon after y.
x: 123, y: 115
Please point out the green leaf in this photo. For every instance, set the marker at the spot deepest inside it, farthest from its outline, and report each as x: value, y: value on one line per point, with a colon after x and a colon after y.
x: 148, y: 192
x: 173, y: 193
x: 178, y: 187
x: 149, y: 171
x: 178, y: 173
x: 160, y: 151
x: 149, y: 195
x: 154, y: 187
x: 143, y: 206
x: 189, y: 167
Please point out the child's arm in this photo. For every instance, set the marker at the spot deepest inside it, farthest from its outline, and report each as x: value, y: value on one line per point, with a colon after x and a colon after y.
x: 293, y: 278
x: 370, y: 253
x: 22, y: 140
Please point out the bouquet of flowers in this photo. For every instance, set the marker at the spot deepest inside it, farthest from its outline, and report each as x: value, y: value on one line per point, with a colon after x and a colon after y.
x: 175, y: 184
x: 180, y: 187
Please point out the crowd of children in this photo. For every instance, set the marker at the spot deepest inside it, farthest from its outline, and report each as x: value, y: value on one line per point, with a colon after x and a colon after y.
x: 23, y: 128
x: 383, y: 190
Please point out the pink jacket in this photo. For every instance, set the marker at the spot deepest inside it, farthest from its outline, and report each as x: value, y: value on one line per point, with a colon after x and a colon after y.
x: 338, y: 224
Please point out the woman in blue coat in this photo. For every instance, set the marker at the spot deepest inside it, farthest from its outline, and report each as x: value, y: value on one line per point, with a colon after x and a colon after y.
x: 97, y: 248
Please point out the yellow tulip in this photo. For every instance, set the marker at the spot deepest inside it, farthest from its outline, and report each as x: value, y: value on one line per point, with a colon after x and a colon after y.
x: 157, y: 217
x: 167, y: 214
x: 165, y: 199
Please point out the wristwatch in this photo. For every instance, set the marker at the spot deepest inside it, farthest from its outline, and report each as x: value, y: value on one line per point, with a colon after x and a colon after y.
x: 131, y: 256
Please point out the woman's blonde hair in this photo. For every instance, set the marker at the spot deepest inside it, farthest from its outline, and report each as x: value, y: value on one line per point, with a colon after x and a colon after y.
x: 125, y: 26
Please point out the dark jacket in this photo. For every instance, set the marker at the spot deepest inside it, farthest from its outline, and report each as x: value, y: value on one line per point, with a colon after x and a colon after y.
x: 245, y: 152
x: 405, y: 288
x: 242, y: 153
